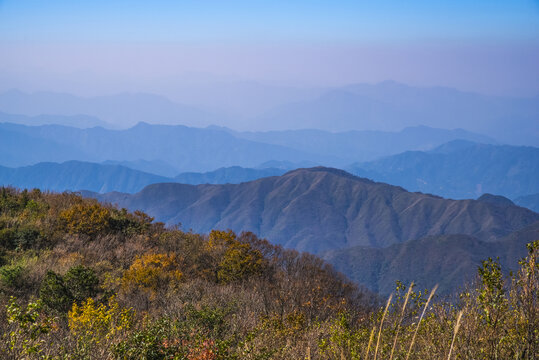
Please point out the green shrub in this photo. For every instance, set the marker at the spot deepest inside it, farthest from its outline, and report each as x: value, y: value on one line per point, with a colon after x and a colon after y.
x: 81, y: 282
x: 54, y: 293
x: 11, y: 275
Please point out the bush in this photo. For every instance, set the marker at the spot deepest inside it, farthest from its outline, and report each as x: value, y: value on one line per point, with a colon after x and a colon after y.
x: 11, y: 275
x: 81, y: 282
x: 54, y: 293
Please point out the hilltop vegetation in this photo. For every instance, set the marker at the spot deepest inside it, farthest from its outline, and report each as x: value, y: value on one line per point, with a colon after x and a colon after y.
x: 82, y: 280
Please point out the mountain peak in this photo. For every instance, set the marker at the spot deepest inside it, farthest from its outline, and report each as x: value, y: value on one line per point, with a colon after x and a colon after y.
x: 495, y: 199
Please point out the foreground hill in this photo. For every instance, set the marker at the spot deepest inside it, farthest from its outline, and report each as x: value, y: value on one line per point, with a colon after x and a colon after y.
x: 320, y: 209
x: 83, y: 280
x: 447, y: 260
x: 78, y: 175
x: 460, y: 169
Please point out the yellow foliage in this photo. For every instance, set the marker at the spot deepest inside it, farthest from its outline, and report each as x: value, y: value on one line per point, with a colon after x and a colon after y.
x: 150, y: 272
x: 96, y: 323
x: 237, y: 260
x: 83, y: 218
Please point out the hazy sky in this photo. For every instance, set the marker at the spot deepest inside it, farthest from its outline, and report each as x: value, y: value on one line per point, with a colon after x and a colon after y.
x: 489, y: 46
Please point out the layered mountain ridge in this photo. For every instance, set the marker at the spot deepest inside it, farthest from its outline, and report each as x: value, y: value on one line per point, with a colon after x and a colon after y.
x: 320, y: 209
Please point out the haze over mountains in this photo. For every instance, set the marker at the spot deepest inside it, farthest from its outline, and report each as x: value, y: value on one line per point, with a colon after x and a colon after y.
x: 383, y: 106
x: 206, y: 149
x: 219, y: 164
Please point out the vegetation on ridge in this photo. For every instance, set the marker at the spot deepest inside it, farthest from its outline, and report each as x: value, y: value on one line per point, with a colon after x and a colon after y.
x: 82, y: 280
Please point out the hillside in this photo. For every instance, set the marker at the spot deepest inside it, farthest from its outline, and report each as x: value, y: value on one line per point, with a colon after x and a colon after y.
x: 460, y: 170
x: 83, y: 280
x: 448, y: 260
x: 319, y: 209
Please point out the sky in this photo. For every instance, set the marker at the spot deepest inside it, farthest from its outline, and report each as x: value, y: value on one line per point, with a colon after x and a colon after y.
x: 486, y: 46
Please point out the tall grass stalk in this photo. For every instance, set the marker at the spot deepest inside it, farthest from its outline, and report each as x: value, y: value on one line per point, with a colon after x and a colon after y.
x: 457, y: 325
x: 401, y: 318
x: 381, y: 325
x: 370, y: 342
x: 421, y: 318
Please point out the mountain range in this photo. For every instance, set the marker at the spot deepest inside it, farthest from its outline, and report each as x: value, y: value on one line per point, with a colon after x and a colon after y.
x: 320, y: 209
x: 100, y: 178
x: 373, y: 232
x: 188, y: 149
x: 460, y: 169
x: 383, y: 106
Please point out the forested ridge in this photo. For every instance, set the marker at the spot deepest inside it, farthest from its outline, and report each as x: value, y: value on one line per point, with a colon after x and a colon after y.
x: 84, y: 280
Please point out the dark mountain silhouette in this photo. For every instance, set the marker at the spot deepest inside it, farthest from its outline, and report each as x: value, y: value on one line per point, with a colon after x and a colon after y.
x: 319, y: 209
x: 447, y: 260
x: 460, y: 169
x: 77, y: 175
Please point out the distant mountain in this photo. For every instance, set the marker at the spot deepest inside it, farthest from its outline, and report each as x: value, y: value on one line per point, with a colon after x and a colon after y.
x: 184, y: 148
x: 120, y: 110
x: 460, y: 169
x: 447, y: 260
x: 18, y: 148
x: 76, y: 175
x: 363, y: 145
x: 229, y: 175
x: 529, y: 201
x: 157, y: 167
x: 320, y: 209
x: 390, y: 105
x: 79, y: 121
x: 167, y: 150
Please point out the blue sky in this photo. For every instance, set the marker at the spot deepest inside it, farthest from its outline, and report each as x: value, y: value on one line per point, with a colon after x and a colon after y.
x: 485, y: 46
x: 276, y: 20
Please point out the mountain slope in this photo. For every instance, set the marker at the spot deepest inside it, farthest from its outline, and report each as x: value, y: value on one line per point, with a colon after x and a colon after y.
x: 319, y: 209
x: 447, y: 260
x: 77, y: 175
x: 460, y: 170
